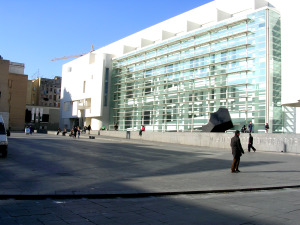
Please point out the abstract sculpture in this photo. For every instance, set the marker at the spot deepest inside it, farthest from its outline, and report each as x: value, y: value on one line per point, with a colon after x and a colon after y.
x: 219, y: 121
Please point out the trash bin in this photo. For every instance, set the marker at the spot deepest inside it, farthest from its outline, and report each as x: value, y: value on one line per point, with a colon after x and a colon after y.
x: 128, y: 134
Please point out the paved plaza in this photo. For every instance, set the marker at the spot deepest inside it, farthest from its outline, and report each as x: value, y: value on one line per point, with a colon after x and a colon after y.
x: 49, y: 179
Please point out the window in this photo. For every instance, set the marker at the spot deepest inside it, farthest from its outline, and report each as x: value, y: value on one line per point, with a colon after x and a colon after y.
x: 148, y: 90
x: 106, y: 86
x: 66, y: 106
x: 45, y: 117
x: 146, y: 117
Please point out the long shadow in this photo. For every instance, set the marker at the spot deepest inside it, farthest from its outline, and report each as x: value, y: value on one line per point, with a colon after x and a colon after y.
x: 56, y: 161
x: 76, y: 166
x: 273, y: 171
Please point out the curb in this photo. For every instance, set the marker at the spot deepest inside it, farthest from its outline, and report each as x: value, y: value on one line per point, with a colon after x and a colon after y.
x: 139, y: 195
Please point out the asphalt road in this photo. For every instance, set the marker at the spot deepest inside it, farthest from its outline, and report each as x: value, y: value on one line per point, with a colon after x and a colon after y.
x: 49, y: 179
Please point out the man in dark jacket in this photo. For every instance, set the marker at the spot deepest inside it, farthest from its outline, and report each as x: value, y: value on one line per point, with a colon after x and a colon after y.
x: 250, y: 127
x: 250, y: 143
x: 237, y: 152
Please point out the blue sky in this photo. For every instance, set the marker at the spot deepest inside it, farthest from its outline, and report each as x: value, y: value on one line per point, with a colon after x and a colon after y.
x: 33, y: 32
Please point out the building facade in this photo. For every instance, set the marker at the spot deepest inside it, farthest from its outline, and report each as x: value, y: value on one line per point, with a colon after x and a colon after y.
x: 43, y: 103
x: 85, y: 99
x: 177, y: 84
x: 172, y: 76
x: 4, y: 90
x: 44, y: 92
x: 13, y: 89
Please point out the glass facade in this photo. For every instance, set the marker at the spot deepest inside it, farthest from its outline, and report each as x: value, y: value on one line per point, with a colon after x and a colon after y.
x: 175, y: 85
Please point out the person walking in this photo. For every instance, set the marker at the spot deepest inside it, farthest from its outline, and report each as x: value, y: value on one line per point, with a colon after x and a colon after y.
x: 31, y: 130
x: 250, y: 143
x: 89, y: 129
x: 237, y: 151
x: 250, y: 127
x: 78, y: 132
x: 75, y: 131
x: 267, y: 128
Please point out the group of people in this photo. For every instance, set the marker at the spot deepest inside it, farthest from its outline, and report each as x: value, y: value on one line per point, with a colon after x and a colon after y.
x: 87, y: 128
x: 237, y: 150
x: 75, y: 131
x: 29, y: 130
x: 250, y: 128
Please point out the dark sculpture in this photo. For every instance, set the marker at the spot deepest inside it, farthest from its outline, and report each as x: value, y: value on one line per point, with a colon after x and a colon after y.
x: 219, y: 121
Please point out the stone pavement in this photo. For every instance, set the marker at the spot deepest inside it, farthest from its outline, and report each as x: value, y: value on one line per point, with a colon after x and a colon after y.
x: 49, y: 179
x: 279, y: 207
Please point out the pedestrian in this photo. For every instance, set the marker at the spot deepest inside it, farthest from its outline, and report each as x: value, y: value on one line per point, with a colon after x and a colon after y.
x: 31, y: 130
x: 89, y: 128
x: 250, y: 143
x: 116, y: 126
x: 58, y: 131
x: 27, y: 130
x: 78, y: 132
x: 250, y: 127
x: 75, y: 131
x: 71, y: 133
x: 142, y: 130
x: 237, y: 151
x: 267, y: 128
x: 128, y: 133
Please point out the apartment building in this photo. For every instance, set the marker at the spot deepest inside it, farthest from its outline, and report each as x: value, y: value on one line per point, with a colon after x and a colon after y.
x: 13, y: 89
x: 43, y: 103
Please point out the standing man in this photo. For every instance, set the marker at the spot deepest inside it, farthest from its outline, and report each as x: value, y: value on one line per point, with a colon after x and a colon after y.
x: 75, y: 131
x: 250, y: 143
x: 267, y: 128
x: 237, y: 151
x: 250, y: 127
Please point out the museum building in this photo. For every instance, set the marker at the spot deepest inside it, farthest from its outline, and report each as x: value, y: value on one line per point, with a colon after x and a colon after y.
x: 170, y: 77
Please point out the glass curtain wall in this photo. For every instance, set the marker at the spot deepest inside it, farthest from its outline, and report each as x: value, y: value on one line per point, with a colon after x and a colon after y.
x: 276, y: 110
x: 175, y: 85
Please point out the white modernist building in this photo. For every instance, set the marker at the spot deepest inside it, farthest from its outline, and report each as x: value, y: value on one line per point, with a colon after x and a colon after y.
x: 84, y: 91
x: 171, y: 76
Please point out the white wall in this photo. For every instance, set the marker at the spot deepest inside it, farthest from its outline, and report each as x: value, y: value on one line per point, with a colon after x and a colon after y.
x: 290, y: 49
x: 83, y: 86
x: 289, y: 10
